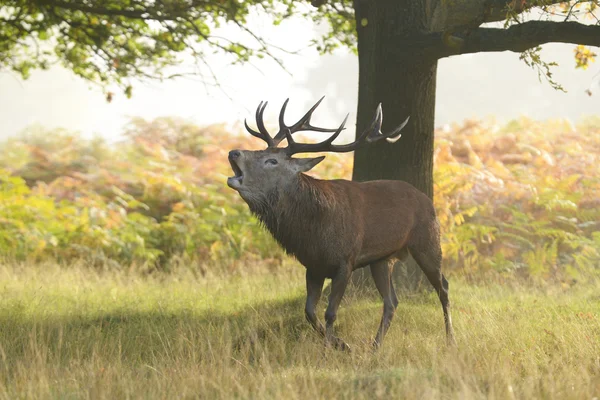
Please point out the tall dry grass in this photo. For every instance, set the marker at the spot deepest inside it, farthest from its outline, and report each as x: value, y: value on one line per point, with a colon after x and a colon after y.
x: 73, y: 332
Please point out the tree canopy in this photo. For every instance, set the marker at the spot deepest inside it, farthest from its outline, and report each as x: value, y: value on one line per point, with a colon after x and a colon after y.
x: 109, y: 42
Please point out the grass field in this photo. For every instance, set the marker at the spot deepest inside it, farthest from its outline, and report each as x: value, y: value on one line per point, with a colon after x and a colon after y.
x: 69, y: 332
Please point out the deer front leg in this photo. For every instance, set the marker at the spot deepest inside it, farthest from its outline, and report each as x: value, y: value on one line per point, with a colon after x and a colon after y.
x: 314, y: 288
x: 338, y: 287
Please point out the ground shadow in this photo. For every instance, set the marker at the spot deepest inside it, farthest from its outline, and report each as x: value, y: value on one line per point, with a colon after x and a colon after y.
x: 144, y: 337
x: 249, y: 326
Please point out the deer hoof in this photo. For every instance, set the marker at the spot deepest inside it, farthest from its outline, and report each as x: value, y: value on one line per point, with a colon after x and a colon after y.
x: 343, y: 346
x: 450, y: 341
x: 338, y: 344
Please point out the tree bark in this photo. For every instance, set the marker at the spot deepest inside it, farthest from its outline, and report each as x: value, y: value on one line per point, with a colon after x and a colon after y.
x: 404, y: 82
x: 517, y: 38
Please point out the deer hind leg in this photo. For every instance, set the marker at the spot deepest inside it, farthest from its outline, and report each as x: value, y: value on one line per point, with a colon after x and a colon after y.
x: 382, y: 275
x: 314, y: 288
x: 338, y: 287
x: 430, y: 260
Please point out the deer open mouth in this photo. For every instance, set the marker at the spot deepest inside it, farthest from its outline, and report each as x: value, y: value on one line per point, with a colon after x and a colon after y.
x: 236, y: 180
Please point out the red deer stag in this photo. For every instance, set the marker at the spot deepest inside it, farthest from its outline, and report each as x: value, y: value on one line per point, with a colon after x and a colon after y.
x: 336, y: 226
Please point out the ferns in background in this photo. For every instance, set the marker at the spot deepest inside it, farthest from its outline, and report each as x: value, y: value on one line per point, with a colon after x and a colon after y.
x: 522, y: 201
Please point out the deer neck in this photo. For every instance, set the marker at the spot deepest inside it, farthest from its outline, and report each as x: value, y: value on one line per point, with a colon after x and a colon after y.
x: 291, y: 211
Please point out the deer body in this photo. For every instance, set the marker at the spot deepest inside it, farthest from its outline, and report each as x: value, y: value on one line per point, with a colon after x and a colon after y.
x: 336, y: 226
x: 323, y: 223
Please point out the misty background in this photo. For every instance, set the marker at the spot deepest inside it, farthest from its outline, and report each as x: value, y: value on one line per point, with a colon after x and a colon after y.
x: 496, y: 85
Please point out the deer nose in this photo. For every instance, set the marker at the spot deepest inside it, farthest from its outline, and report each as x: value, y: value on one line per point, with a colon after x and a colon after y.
x: 233, y: 154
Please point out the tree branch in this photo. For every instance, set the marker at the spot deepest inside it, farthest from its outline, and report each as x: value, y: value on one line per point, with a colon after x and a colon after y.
x: 137, y: 14
x: 517, y: 38
x: 460, y: 14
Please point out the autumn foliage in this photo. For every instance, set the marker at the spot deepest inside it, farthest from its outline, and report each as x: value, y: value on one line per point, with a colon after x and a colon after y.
x: 517, y: 201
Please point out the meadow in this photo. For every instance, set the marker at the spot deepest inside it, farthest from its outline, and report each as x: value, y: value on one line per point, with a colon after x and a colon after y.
x: 130, y: 270
x: 72, y: 332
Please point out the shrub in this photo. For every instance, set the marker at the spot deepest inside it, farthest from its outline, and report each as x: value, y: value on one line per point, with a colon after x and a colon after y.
x: 517, y: 201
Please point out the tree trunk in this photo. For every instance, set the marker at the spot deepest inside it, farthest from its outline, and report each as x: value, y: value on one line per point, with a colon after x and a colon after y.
x: 404, y: 82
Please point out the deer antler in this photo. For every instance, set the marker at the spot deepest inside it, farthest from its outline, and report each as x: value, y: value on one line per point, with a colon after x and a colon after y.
x: 302, y: 125
x: 371, y: 135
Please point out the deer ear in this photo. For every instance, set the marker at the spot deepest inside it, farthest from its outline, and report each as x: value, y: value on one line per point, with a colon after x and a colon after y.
x: 306, y: 164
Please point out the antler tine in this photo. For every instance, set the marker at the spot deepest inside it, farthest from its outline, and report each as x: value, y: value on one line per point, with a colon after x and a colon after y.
x: 371, y: 135
x: 294, y: 147
x: 303, y: 123
x: 282, y: 127
x: 390, y: 138
x: 259, y: 119
x: 374, y: 133
x: 263, y: 133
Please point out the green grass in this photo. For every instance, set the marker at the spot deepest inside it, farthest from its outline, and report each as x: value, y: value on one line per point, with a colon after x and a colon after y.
x: 70, y: 333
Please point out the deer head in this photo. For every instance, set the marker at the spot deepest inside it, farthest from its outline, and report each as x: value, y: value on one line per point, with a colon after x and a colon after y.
x: 258, y: 173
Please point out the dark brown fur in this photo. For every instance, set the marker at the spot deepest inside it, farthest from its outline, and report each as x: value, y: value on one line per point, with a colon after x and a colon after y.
x: 336, y: 225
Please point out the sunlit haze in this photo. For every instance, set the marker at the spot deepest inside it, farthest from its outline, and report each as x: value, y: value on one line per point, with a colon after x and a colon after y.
x: 482, y: 85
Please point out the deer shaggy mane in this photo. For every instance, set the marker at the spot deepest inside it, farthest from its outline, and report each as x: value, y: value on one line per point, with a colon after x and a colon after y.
x: 289, y: 211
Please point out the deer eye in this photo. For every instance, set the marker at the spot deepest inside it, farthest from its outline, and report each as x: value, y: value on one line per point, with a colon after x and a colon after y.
x: 271, y: 161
